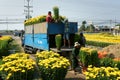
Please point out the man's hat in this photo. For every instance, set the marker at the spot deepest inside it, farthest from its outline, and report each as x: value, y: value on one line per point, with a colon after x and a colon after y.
x: 76, y: 44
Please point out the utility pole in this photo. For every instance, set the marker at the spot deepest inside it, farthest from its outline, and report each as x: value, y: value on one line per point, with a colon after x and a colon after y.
x: 110, y: 26
x: 28, y: 9
x: 7, y: 23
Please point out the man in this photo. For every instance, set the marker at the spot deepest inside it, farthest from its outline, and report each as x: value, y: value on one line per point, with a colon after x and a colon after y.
x: 82, y: 40
x: 75, y: 54
x: 66, y: 33
x: 49, y: 17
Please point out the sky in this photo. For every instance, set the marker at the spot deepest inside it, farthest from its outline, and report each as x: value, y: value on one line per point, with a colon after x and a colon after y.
x: 75, y: 10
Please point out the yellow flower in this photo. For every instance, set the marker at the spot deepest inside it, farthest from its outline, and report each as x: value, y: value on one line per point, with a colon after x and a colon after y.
x: 102, y: 38
x: 9, y: 75
x: 17, y: 62
x: 23, y: 71
x: 118, y: 78
x: 87, y: 78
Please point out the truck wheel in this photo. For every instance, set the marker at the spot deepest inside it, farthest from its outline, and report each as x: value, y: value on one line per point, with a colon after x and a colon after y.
x: 34, y: 51
x: 22, y: 44
x: 25, y: 50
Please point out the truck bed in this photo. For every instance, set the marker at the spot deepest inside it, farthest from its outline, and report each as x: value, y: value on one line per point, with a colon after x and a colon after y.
x: 63, y: 49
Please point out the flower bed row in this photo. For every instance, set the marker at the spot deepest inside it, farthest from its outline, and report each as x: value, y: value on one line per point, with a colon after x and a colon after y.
x: 102, y: 66
x: 52, y: 65
x: 93, y: 57
x: 102, y: 73
x: 20, y: 66
x: 17, y: 67
x: 102, y: 39
x: 89, y: 56
x: 4, y: 44
x: 98, y: 44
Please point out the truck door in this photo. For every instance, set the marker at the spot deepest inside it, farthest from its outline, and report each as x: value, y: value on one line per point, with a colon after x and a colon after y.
x: 28, y: 41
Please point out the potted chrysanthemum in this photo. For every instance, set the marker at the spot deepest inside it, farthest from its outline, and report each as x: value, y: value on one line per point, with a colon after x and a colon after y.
x: 58, y: 41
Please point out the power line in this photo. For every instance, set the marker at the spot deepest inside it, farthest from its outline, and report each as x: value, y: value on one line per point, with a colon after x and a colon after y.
x: 11, y: 22
x: 17, y: 19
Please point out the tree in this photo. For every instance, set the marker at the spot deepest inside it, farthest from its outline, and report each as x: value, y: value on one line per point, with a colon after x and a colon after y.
x: 90, y: 28
x: 84, y: 22
x: 82, y: 28
x: 118, y: 25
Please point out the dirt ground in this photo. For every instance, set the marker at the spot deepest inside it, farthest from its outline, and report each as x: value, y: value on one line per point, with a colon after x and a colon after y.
x: 70, y: 74
x: 113, y: 49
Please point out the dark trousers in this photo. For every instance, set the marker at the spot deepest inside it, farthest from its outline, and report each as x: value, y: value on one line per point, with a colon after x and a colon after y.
x: 74, y: 63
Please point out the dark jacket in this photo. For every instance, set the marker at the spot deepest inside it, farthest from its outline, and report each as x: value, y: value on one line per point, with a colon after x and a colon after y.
x: 82, y: 41
x: 75, y: 52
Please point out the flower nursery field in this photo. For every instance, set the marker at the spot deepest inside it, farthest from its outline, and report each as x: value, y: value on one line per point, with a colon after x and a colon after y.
x: 103, y: 37
x: 98, y: 64
x: 109, y: 49
x: 109, y: 43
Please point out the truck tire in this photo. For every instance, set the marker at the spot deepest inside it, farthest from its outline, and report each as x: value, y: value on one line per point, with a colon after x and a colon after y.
x: 25, y: 50
x: 34, y: 51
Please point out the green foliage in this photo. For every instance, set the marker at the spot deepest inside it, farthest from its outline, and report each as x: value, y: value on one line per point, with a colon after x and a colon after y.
x: 50, y: 74
x: 62, y: 18
x: 56, y: 16
x: 7, y: 47
x: 94, y: 58
x: 58, y: 40
x: 99, y: 44
x: 90, y: 28
x: 1, y: 61
x: 84, y: 22
x: 56, y: 13
x: 76, y: 37
x: 107, y: 62
x: 83, y: 28
x: 89, y: 57
x: 118, y: 25
x: 117, y: 64
x: 83, y: 58
x: 4, y: 47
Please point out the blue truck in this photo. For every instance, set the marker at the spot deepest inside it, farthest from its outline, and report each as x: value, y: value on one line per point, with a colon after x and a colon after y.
x: 41, y: 36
